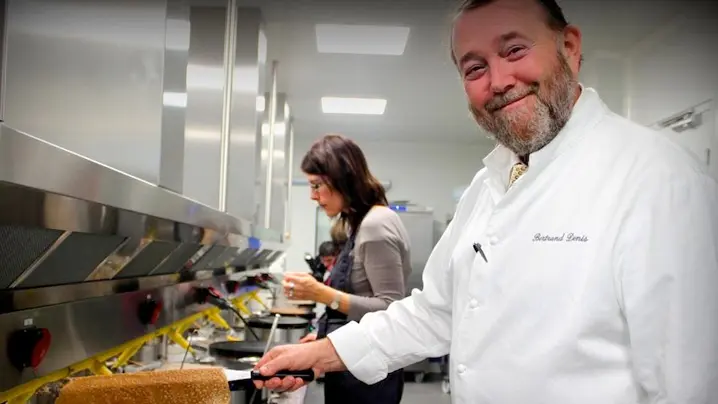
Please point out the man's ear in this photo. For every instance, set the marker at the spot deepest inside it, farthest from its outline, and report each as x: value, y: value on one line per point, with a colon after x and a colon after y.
x: 571, y: 46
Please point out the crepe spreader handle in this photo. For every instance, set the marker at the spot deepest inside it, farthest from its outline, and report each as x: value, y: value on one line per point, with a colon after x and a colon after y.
x: 306, y: 375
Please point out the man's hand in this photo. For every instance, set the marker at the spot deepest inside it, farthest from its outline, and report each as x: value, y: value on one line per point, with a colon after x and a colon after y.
x: 308, y: 338
x: 319, y: 356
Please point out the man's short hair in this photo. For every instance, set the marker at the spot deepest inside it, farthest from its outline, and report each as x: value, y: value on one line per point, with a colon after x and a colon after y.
x: 556, y: 20
x: 327, y: 249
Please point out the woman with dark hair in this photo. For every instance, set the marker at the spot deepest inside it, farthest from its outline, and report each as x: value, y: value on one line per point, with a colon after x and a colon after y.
x: 373, y: 264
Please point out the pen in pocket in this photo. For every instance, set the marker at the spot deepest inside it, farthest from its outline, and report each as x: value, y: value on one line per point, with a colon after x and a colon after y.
x: 478, y: 249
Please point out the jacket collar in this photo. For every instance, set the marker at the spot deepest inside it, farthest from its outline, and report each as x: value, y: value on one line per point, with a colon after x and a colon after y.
x: 587, y: 110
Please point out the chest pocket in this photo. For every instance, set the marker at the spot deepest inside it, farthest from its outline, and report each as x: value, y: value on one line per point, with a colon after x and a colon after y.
x: 466, y: 262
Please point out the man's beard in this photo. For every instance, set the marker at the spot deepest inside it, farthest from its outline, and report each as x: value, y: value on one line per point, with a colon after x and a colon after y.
x: 525, y: 131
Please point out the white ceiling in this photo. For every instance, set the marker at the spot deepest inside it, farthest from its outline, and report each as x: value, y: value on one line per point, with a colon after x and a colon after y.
x: 425, y: 98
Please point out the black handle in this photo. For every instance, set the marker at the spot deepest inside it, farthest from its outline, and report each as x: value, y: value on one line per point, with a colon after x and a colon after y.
x: 307, y: 375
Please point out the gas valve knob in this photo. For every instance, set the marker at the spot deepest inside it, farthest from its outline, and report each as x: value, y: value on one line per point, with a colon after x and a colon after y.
x: 149, y: 312
x: 27, y: 347
x: 232, y: 287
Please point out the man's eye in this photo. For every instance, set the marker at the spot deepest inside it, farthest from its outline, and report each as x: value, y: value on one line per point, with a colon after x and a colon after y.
x: 473, y: 71
x: 515, y: 51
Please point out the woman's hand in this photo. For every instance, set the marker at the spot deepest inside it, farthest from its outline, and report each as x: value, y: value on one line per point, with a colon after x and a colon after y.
x: 301, y: 286
x: 308, y: 338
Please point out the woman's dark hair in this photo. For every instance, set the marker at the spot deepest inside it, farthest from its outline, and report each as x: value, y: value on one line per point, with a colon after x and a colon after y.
x: 343, y: 167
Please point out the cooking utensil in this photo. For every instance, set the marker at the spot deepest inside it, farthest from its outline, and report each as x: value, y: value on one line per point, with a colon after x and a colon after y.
x: 306, y: 375
x: 266, y: 349
x: 289, y: 329
x: 237, y: 379
x: 237, y: 355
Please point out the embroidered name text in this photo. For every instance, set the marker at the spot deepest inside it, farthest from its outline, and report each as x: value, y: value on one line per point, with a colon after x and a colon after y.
x: 564, y: 237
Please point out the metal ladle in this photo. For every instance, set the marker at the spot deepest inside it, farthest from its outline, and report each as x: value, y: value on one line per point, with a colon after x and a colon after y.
x: 266, y: 349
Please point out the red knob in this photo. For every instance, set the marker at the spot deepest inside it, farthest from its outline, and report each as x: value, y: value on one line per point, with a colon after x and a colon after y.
x: 232, y: 287
x: 214, y: 292
x: 149, y: 312
x: 27, y: 347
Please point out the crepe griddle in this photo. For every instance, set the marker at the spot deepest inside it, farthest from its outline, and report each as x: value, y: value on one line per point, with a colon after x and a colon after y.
x: 285, y: 323
x: 253, y: 350
x: 237, y: 349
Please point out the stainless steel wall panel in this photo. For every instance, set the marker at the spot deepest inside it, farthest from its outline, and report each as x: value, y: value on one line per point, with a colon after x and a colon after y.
x: 249, y: 65
x: 289, y: 152
x: 280, y: 180
x: 174, y: 94
x: 205, y: 101
x: 229, y: 48
x: 268, y: 153
x: 88, y: 76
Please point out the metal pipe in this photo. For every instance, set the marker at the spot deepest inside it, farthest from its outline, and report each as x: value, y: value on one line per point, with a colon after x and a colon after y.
x: 230, y: 37
x: 271, y: 333
x: 266, y: 349
x: 164, y: 350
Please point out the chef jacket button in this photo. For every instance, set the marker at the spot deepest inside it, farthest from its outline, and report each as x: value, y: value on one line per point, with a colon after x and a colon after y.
x: 494, y: 240
x: 473, y: 303
x: 461, y: 369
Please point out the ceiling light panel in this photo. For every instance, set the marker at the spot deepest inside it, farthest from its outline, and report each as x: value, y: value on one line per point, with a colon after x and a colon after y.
x: 361, y: 39
x: 358, y: 106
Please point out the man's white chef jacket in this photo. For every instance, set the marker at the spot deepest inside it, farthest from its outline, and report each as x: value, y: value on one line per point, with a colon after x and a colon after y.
x: 600, y: 284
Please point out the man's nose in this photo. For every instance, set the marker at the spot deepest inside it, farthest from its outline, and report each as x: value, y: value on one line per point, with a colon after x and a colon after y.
x: 502, y: 78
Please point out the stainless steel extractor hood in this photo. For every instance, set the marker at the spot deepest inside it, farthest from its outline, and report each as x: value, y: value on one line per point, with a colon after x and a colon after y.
x: 83, y: 245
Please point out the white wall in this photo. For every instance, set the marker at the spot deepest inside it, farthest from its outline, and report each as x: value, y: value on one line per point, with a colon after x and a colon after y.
x: 606, y: 73
x: 674, y: 69
x: 423, y: 173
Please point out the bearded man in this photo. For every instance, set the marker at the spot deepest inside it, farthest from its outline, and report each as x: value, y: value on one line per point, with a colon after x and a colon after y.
x: 581, y: 264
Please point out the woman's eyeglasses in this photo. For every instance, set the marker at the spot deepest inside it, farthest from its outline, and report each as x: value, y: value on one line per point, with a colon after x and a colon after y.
x: 314, y: 186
